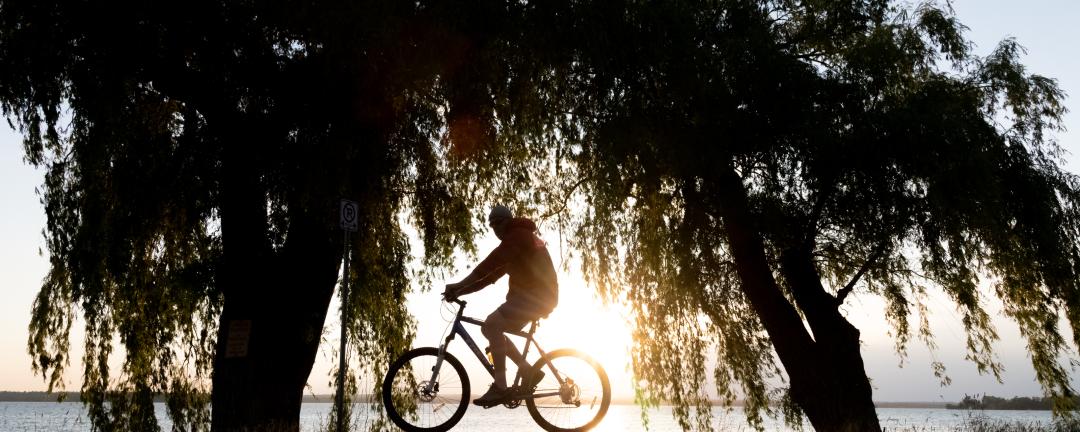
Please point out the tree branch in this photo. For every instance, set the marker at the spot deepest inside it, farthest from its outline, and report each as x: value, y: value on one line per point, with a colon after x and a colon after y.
x: 843, y: 293
x: 565, y: 198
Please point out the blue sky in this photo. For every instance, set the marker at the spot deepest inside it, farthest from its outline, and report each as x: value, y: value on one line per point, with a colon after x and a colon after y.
x: 1047, y: 28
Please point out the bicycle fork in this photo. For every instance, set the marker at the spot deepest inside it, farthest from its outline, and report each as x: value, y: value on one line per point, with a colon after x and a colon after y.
x: 458, y: 328
x: 438, y: 364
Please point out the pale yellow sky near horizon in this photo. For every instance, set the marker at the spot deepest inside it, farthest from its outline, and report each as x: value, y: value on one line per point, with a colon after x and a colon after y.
x: 1046, y: 27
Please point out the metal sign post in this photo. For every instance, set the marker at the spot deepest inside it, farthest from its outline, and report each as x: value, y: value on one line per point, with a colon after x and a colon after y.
x: 349, y: 211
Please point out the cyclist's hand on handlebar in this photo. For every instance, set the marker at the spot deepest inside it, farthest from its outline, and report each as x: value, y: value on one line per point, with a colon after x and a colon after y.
x: 451, y: 292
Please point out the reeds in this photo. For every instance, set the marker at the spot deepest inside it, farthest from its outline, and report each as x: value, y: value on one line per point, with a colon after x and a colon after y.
x: 983, y: 423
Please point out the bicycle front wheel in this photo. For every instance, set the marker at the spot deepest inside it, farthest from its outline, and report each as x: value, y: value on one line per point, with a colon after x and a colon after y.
x: 420, y: 398
x: 574, y: 394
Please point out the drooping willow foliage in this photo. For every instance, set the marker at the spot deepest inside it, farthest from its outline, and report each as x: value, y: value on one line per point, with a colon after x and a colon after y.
x: 868, y: 140
x: 872, y: 150
x: 148, y: 116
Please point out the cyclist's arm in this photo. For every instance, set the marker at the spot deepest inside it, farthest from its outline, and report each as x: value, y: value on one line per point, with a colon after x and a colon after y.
x: 493, y: 267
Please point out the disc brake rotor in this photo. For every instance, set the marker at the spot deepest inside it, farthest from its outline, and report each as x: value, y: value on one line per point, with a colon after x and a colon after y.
x: 423, y: 394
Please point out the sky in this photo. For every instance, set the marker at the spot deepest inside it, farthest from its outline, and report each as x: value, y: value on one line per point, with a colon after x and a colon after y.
x: 1047, y: 28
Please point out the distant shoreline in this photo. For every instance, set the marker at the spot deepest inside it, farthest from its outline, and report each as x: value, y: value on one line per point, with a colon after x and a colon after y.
x: 8, y: 396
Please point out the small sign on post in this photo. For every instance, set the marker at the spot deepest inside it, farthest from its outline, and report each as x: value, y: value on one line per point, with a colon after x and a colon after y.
x: 349, y: 210
x: 349, y: 214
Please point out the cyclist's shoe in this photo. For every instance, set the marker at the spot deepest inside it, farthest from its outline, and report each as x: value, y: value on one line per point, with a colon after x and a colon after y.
x: 494, y: 396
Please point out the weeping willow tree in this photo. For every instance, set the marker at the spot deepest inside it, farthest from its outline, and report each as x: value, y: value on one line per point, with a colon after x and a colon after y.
x: 195, y: 156
x: 735, y: 171
x: 745, y: 168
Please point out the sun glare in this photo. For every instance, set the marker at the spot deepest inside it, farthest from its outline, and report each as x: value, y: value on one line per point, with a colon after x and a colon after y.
x: 583, y: 322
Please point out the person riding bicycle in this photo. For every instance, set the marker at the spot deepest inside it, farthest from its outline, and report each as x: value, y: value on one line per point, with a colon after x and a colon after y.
x: 533, y: 294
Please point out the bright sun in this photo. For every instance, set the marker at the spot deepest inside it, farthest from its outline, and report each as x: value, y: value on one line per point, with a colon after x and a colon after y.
x: 583, y: 322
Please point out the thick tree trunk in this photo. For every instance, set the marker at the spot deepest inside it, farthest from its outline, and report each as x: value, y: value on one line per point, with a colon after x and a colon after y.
x: 260, y: 386
x: 837, y: 362
x: 256, y: 389
x: 827, y: 377
x: 275, y: 304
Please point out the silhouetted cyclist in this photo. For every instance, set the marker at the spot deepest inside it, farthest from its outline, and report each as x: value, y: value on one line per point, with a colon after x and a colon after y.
x: 533, y: 294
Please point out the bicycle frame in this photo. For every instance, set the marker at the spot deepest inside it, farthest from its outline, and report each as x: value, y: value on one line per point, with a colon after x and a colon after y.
x: 459, y: 329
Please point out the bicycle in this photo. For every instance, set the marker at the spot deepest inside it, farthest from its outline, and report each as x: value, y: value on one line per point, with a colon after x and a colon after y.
x: 421, y: 394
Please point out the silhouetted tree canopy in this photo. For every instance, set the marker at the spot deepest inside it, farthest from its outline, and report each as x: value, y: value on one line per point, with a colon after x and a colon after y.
x: 735, y: 171
x: 196, y: 152
x: 772, y: 159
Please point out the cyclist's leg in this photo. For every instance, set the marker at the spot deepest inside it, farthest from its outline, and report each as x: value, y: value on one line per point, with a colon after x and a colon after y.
x: 503, y: 319
x: 513, y: 354
x: 522, y: 313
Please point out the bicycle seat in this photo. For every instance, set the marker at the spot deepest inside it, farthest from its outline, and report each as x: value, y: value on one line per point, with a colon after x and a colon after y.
x: 534, y: 325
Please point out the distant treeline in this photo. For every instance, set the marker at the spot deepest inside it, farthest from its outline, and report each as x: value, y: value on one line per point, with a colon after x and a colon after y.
x: 13, y: 396
x: 988, y: 402
x: 10, y: 396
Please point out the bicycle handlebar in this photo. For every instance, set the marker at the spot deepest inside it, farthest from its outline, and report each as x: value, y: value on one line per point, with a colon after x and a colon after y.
x: 459, y: 302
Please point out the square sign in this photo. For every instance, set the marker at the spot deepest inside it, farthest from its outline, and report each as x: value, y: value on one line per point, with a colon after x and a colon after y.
x: 349, y: 210
x: 236, y: 345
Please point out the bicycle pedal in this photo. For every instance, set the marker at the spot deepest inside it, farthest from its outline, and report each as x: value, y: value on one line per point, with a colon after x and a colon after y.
x: 486, y: 406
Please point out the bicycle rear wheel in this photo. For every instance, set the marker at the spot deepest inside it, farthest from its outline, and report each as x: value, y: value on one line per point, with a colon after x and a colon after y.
x: 409, y: 401
x: 574, y: 394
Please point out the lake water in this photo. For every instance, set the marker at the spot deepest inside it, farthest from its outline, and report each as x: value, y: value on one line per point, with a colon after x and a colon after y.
x: 71, y: 417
